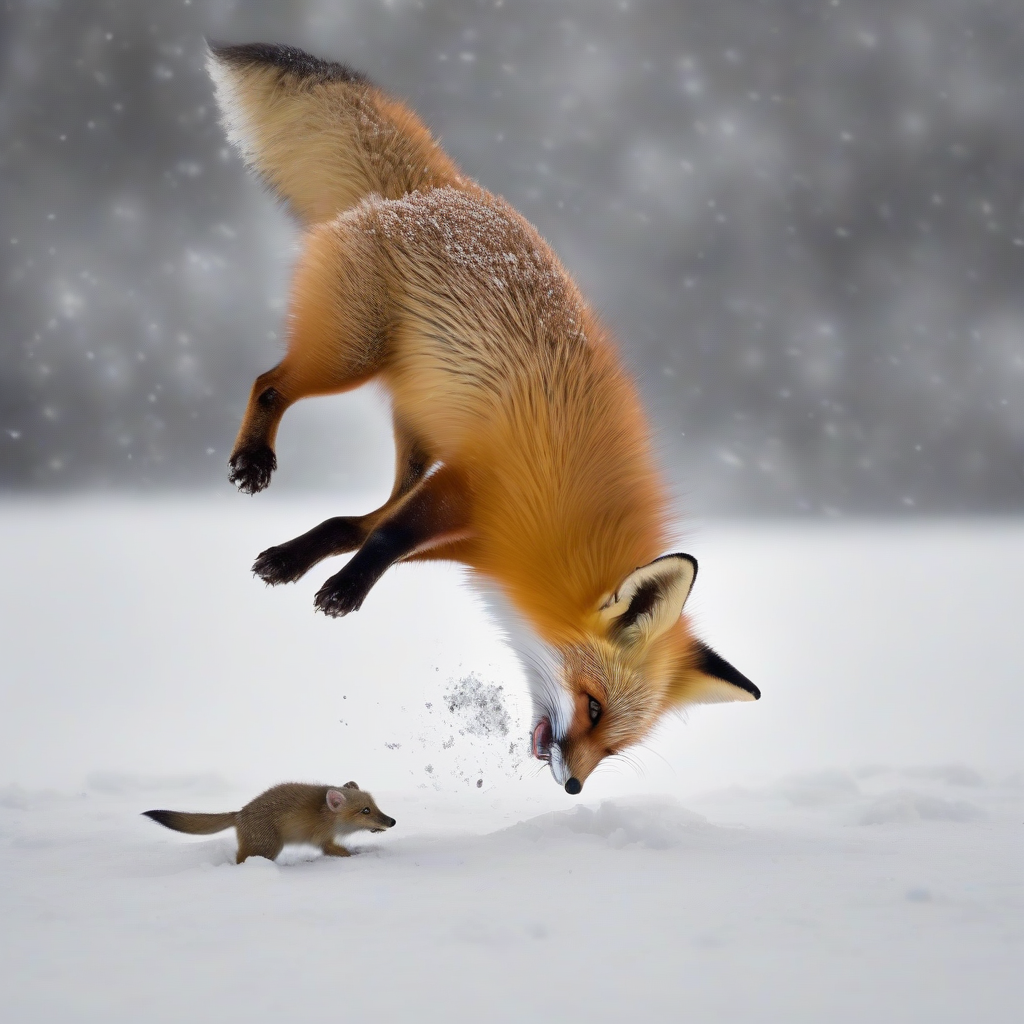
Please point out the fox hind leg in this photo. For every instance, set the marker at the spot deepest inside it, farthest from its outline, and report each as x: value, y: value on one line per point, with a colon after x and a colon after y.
x: 252, y: 459
x: 337, y: 340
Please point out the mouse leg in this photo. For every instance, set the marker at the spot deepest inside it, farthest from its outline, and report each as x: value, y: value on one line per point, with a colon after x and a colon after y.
x: 265, y: 846
x: 332, y: 849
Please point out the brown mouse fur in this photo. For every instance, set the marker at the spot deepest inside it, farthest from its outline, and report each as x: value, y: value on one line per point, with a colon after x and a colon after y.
x: 293, y: 812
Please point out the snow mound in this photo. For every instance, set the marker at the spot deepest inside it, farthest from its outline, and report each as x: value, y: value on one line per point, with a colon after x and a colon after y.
x: 818, y: 789
x: 654, y: 824
x: 14, y: 798
x: 906, y: 805
x: 951, y: 774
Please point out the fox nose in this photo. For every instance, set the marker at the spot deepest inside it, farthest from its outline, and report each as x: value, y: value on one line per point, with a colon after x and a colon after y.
x: 391, y: 822
x: 573, y: 786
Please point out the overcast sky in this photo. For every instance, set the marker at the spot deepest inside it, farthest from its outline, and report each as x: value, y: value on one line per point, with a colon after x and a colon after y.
x: 804, y: 221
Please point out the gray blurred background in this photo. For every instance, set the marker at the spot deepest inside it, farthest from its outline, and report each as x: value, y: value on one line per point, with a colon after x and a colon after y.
x: 804, y: 221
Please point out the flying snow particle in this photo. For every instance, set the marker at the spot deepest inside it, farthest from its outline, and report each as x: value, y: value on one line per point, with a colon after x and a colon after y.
x: 480, y: 705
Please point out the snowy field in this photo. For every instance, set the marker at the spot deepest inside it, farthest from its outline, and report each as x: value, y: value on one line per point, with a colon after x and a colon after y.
x: 848, y: 849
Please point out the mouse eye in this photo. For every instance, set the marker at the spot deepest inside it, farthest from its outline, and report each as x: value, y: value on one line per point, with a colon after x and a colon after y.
x: 366, y: 810
x: 595, y: 712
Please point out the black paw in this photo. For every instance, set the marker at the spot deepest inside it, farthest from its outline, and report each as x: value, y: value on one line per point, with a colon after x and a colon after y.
x: 339, y: 596
x: 280, y: 565
x: 251, y: 467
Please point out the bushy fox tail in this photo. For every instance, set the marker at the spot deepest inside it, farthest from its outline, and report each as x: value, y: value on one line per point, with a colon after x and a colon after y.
x: 194, y: 824
x: 320, y: 135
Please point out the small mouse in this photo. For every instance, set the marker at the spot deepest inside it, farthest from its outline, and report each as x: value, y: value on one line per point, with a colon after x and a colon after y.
x: 293, y: 812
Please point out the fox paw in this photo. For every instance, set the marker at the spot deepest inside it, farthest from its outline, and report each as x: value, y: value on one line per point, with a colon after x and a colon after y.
x: 250, y: 467
x: 338, y: 597
x: 280, y: 565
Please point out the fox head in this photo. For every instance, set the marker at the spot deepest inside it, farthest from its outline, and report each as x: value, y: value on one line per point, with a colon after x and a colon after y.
x: 633, y: 662
x: 355, y: 810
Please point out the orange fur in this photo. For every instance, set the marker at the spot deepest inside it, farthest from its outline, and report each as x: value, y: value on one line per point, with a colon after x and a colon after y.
x: 523, y: 450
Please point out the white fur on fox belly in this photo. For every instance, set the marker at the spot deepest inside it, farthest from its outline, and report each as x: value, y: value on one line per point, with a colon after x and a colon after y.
x: 543, y: 669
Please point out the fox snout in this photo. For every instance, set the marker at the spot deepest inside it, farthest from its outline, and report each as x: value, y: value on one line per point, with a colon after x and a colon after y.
x: 570, y: 765
x: 546, y: 748
x: 384, y: 823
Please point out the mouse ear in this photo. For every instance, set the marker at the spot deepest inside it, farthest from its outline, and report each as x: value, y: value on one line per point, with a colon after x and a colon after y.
x: 336, y: 799
x: 351, y: 785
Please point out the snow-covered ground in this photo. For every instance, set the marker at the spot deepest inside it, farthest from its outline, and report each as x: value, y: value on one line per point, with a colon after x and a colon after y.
x: 848, y: 849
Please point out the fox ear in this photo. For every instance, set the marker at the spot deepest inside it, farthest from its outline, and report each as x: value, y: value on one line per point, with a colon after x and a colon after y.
x: 649, y: 600
x: 336, y: 799
x: 712, y: 680
x: 351, y: 785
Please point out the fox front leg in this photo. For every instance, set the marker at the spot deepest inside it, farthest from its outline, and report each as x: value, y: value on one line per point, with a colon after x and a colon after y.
x: 288, y: 562
x: 433, y: 514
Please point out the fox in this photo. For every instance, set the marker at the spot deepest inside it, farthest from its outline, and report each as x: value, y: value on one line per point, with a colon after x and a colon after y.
x: 292, y: 812
x: 522, y: 450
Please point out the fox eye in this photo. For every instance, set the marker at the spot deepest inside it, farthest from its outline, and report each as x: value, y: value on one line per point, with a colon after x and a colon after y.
x: 366, y: 810
x: 595, y: 712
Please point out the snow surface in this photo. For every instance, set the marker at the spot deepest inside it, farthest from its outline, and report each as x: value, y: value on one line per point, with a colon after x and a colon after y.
x: 848, y: 849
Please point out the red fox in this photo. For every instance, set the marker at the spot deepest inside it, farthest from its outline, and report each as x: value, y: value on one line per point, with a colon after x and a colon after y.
x: 293, y: 812
x: 522, y: 450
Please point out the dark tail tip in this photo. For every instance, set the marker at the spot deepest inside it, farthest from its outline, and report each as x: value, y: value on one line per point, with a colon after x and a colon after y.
x: 161, y: 817
x: 287, y: 58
